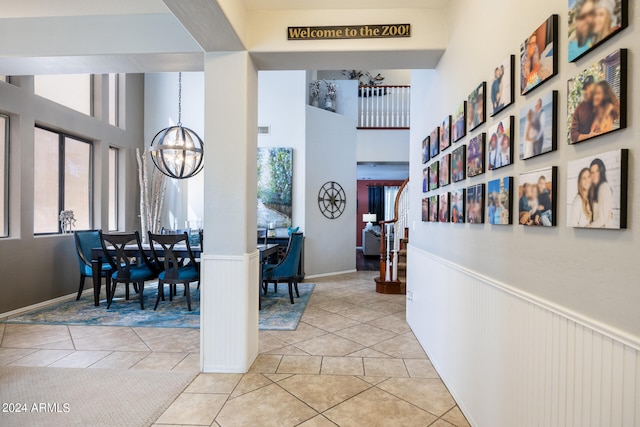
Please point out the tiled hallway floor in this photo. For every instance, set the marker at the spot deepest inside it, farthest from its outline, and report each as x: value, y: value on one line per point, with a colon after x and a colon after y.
x: 353, y: 361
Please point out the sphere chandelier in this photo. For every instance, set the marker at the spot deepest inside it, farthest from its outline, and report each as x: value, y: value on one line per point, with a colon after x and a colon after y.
x: 178, y: 151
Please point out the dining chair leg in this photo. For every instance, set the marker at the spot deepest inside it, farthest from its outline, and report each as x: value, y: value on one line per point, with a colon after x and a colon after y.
x: 141, y: 286
x: 291, y: 290
x: 188, y: 293
x: 160, y: 294
x: 111, y: 295
x: 295, y: 283
x: 81, y: 286
x: 126, y: 292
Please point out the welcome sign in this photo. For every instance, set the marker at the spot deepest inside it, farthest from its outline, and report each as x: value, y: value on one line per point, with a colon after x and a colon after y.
x: 339, y: 32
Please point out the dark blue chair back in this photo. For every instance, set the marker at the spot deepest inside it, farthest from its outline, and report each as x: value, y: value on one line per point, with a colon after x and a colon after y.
x: 85, y: 241
x: 121, y: 261
x: 288, y: 267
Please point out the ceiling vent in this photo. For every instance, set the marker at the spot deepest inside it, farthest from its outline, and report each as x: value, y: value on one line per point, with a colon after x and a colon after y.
x: 264, y: 130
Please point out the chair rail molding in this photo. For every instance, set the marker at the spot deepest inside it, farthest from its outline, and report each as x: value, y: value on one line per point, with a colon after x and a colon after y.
x: 540, y: 363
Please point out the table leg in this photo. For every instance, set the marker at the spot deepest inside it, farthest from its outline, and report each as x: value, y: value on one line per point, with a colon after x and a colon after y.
x: 96, y: 269
x: 260, y: 284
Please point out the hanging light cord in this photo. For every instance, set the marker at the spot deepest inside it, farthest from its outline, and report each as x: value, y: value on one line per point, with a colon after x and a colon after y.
x: 180, y: 99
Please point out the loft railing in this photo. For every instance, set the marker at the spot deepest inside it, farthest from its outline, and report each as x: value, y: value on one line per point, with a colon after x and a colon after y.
x: 389, y: 248
x: 384, y: 107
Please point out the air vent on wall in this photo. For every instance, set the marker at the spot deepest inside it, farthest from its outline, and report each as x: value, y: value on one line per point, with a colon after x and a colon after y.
x: 264, y: 130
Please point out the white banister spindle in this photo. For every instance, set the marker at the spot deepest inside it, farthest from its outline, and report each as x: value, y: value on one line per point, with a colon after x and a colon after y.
x: 385, y: 107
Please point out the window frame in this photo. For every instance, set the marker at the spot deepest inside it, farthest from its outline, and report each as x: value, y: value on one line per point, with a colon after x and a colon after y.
x: 7, y: 153
x: 116, y: 188
x: 61, y: 175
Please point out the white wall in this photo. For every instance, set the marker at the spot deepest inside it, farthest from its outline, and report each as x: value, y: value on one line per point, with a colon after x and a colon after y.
x: 526, y: 326
x: 382, y: 145
x: 331, y: 156
x: 184, y: 198
x: 391, y: 77
x: 281, y: 102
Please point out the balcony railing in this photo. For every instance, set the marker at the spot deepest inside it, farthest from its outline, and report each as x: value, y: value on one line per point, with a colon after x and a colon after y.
x: 384, y: 107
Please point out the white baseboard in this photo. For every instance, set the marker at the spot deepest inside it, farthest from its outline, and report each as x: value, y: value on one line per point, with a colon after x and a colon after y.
x: 19, y: 311
x: 335, y: 273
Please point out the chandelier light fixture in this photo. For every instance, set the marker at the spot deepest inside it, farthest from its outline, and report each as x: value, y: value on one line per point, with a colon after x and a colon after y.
x: 177, y: 151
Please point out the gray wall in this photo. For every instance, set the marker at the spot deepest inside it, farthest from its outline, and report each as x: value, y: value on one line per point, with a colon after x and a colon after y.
x: 331, y: 156
x: 37, y: 269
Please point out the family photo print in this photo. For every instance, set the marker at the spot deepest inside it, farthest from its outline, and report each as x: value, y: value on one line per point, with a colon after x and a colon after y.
x: 501, y: 86
x: 538, y: 126
x: 499, y: 196
x: 500, y: 144
x: 591, y: 22
x: 537, y: 197
x: 476, y: 113
x: 539, y: 56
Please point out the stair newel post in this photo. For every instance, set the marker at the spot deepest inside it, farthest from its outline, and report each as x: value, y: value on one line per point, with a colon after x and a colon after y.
x: 383, y: 252
x: 388, y: 254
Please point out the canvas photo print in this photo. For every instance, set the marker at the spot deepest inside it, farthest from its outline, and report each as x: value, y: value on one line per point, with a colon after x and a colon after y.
x: 538, y: 124
x: 539, y: 55
x: 597, y: 98
x: 537, y: 197
x: 457, y: 201
x: 445, y: 170
x: 443, y: 210
x: 425, y: 150
x: 425, y: 209
x: 275, y: 190
x: 501, y: 86
x: 591, y: 22
x: 499, y: 196
x: 475, y: 156
x: 434, y: 176
x: 434, y: 143
x: 445, y: 134
x: 597, y: 191
x: 476, y: 114
x: 433, y: 209
x: 475, y: 204
x: 459, y: 127
x: 500, y: 151
x: 458, y: 164
x: 425, y: 180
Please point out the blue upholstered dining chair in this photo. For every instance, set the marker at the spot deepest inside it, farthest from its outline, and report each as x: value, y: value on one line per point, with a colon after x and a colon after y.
x: 123, y: 270
x: 287, y: 269
x: 85, y: 241
x: 177, y: 268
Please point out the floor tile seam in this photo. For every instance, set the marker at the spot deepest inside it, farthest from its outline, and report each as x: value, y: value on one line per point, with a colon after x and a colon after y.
x: 369, y: 387
x: 46, y: 349
x: 406, y: 401
x: 143, y: 341
x: 451, y: 422
x: 110, y: 352
x: 33, y: 350
x: 251, y: 391
x: 298, y: 399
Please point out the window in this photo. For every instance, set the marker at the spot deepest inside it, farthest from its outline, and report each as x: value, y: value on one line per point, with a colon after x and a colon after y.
x: 71, y: 90
x: 4, y: 175
x: 113, y: 188
x: 63, y: 177
x: 114, y: 98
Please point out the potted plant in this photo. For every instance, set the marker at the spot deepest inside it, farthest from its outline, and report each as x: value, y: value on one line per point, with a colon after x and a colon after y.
x: 330, y: 100
x: 314, y: 92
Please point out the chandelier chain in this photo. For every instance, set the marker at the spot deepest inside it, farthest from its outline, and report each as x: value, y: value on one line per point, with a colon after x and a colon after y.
x: 180, y: 99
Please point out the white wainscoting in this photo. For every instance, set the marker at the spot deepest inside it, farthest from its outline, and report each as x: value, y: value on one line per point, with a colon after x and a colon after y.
x: 510, y: 359
x: 229, y: 312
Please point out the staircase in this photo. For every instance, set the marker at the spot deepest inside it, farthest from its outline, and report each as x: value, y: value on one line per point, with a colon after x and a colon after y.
x: 393, y: 251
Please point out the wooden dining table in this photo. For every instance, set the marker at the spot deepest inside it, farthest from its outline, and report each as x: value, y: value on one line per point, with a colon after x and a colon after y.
x: 97, y: 259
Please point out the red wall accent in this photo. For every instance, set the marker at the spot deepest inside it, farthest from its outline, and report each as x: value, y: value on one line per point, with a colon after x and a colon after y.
x: 363, y: 203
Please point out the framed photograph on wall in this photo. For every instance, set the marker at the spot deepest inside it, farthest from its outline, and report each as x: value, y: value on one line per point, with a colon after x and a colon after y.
x: 500, y: 151
x: 597, y: 191
x: 445, y: 170
x: 475, y: 156
x: 538, y: 126
x: 459, y: 164
x: 459, y: 128
x: 425, y: 209
x: 537, y: 197
x: 434, y: 176
x: 433, y: 209
x: 499, y: 197
x: 597, y: 99
x: 501, y: 87
x: 457, y: 201
x: 425, y: 180
x: 445, y: 134
x: 477, y: 113
x: 425, y: 150
x: 475, y: 204
x: 539, y: 56
x: 443, y: 211
x: 591, y: 22
x: 434, y: 143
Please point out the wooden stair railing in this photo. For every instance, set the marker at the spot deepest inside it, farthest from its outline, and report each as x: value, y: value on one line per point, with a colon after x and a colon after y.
x: 388, y: 282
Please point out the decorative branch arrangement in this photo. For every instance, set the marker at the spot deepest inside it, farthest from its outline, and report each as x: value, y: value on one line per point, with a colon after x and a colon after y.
x: 152, y: 191
x: 67, y: 221
x: 364, y: 77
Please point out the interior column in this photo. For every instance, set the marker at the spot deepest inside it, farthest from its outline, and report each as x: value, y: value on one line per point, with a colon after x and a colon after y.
x: 229, y: 286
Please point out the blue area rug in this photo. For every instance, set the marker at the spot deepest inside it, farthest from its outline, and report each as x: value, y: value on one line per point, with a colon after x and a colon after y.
x: 277, y: 311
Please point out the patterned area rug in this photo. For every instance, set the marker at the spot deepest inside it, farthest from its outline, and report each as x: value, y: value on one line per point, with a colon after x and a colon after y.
x: 277, y: 311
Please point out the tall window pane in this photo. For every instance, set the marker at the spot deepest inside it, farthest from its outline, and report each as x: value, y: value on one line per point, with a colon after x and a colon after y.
x: 77, y: 181
x: 113, y: 99
x: 46, y: 181
x: 70, y: 90
x: 113, y: 188
x: 4, y: 175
